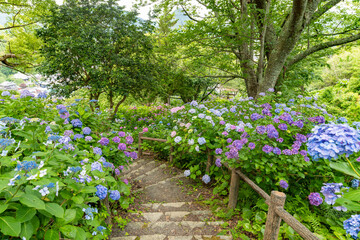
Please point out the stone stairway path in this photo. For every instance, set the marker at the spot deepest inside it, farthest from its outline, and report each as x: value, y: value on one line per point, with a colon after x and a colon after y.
x: 166, y: 207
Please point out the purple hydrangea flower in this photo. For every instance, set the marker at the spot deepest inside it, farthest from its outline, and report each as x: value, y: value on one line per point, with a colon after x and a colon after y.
x: 116, y: 139
x: 277, y: 151
x: 255, y: 116
x: 229, y: 140
x: 303, y: 153
x: 129, y: 140
x: 122, y: 146
x: 101, y: 191
x: 122, y: 134
x: 218, y: 162
x: 117, y: 172
x: 251, y: 145
x: 283, y: 126
x: 104, y: 141
x: 267, y: 148
x: 222, y: 122
x: 232, y: 154
x: 218, y: 151
x: 283, y: 184
x: 261, y: 129
x: 315, y: 199
x: 237, y: 144
x: 133, y: 155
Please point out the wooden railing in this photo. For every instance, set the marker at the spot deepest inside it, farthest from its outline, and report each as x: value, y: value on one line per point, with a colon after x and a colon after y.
x: 141, y: 138
x: 276, y: 212
x: 276, y: 200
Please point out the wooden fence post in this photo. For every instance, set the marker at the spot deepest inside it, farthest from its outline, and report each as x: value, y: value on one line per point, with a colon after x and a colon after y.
x: 277, y: 199
x: 234, y: 189
x: 171, y: 154
x: 139, y: 148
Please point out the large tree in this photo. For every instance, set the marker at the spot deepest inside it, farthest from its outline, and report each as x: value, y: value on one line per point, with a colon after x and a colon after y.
x: 98, y: 45
x: 264, y: 37
x: 19, y: 45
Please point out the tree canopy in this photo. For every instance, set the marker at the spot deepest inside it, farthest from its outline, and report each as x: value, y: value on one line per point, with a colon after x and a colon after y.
x: 97, y: 45
x: 263, y: 39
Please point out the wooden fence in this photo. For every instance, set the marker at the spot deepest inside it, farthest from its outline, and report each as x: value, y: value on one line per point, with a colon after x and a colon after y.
x: 276, y: 201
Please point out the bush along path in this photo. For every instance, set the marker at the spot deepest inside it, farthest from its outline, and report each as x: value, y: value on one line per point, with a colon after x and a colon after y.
x: 166, y: 206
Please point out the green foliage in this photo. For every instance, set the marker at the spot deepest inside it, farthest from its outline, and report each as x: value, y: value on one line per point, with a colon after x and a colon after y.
x: 107, y: 51
x: 50, y: 197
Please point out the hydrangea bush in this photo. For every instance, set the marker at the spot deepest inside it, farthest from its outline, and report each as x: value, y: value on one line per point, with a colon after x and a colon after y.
x: 59, y: 174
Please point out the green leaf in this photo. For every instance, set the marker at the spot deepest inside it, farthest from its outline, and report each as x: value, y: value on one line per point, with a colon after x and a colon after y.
x: 3, y: 207
x: 78, y: 199
x: 52, y: 235
x: 88, y: 189
x: 25, y: 214
x: 55, y: 209
x: 350, y: 205
x: 9, y: 226
x: 27, y: 230
x: 80, y: 234
x: 344, y: 168
x: 70, y: 215
x: 31, y: 200
x: 69, y: 231
x: 353, y: 195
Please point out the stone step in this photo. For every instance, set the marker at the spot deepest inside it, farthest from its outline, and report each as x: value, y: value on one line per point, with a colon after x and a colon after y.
x: 151, y: 173
x: 146, y: 166
x: 199, y: 215
x: 133, y: 166
x: 157, y: 184
x: 183, y: 228
x: 164, y: 237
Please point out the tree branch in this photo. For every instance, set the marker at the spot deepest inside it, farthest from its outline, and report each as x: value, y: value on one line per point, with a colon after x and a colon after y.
x: 17, y: 26
x: 188, y: 15
x: 324, y: 9
x: 322, y: 46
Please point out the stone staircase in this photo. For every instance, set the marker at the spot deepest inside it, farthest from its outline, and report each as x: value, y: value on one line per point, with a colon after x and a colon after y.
x: 165, y: 206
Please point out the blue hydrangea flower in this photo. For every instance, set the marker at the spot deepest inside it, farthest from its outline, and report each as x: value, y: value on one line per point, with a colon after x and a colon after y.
x: 355, y: 183
x: 96, y: 166
x: 206, y: 179
x: 42, y: 95
x: 76, y: 136
x: 26, y: 166
x: 97, y: 150
x: 101, y: 191
x: 218, y: 162
x: 187, y: 173
x: 352, y: 226
x: 342, y: 120
x: 114, y: 195
x: 76, y: 123
x: 86, y: 130
x: 329, y: 190
x: 177, y: 139
x: 5, y: 93
x: 333, y: 140
x: 201, y: 140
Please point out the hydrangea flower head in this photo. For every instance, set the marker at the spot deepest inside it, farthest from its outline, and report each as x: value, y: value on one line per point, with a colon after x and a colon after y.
x: 101, y: 191
x: 88, y: 138
x: 315, y: 199
x: 201, y: 140
x: 187, y: 173
x: 177, y: 139
x: 97, y: 150
x: 86, y: 130
x: 104, y: 141
x: 76, y: 123
x: 283, y: 184
x: 218, y: 162
x: 352, y: 226
x: 122, y: 146
x: 206, y: 179
x: 114, y: 195
x: 333, y: 140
